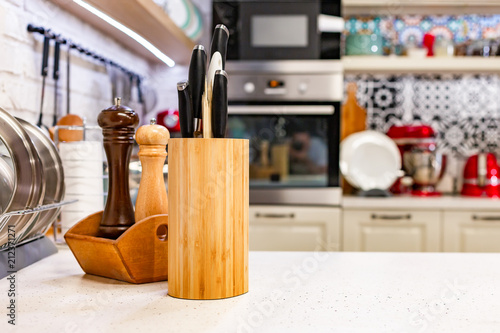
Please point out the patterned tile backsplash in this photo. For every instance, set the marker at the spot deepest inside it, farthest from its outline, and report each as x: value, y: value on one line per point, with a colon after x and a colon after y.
x: 464, y: 110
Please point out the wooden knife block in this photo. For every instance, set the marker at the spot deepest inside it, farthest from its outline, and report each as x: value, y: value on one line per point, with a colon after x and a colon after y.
x: 208, y: 218
x: 139, y: 255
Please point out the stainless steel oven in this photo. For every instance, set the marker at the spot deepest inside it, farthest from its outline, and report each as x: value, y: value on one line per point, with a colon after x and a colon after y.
x: 290, y: 112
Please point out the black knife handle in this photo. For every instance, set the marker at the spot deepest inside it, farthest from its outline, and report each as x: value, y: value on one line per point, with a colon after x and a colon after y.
x: 219, y: 42
x: 57, y: 54
x: 196, y: 78
x: 186, y: 120
x: 45, y: 55
x: 219, y: 104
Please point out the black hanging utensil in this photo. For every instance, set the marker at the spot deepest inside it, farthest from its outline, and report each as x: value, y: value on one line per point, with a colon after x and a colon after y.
x: 55, y: 76
x: 45, y: 70
x: 68, y: 57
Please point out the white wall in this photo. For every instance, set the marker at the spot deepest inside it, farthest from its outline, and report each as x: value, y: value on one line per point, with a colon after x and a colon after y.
x: 20, y: 62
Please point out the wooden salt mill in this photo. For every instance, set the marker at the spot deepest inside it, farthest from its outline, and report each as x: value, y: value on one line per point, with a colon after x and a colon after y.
x: 117, y: 123
x: 152, y: 197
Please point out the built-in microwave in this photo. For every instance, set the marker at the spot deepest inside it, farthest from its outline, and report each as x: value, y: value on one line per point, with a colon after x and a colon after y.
x: 281, y: 29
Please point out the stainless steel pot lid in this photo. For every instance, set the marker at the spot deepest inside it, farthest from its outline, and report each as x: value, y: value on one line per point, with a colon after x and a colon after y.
x: 6, y: 183
x: 54, y: 177
x: 29, y: 184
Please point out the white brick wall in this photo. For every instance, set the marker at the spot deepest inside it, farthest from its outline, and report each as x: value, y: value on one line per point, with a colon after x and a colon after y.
x: 20, y: 62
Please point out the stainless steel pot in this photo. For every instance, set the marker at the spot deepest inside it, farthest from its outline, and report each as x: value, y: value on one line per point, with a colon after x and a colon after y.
x: 29, y: 184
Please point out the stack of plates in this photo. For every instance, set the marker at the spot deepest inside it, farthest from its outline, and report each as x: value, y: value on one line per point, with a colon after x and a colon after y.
x: 31, y: 174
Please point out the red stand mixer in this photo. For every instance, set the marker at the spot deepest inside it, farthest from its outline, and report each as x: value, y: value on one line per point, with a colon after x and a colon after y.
x: 417, y: 145
x: 481, y: 174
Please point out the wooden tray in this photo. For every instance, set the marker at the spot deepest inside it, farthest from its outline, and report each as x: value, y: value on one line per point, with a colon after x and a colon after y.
x: 139, y: 255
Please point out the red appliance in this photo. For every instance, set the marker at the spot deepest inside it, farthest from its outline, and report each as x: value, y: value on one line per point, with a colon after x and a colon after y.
x: 170, y: 119
x: 481, y: 174
x: 407, y: 138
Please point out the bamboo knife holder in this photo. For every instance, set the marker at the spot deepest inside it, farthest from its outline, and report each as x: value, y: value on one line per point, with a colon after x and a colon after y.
x: 139, y: 255
x: 208, y: 218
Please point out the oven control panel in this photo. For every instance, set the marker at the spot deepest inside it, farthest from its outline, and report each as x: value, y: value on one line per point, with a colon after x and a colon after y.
x: 285, y: 83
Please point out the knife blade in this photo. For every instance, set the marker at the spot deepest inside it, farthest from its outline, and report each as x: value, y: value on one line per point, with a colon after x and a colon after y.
x: 196, y: 78
x: 219, y: 104
x: 185, y: 110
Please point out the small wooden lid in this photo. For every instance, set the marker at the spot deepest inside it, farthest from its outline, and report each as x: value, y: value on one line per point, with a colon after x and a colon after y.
x: 152, y: 134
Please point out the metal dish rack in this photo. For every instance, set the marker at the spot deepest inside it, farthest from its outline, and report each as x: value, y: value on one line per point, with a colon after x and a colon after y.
x: 19, y: 253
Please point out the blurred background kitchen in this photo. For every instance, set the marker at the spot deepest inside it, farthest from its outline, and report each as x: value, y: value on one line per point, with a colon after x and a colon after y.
x: 373, y: 125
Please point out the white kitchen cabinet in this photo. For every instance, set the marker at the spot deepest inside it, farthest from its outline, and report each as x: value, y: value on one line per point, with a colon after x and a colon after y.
x: 391, y: 230
x: 471, y: 231
x: 292, y: 228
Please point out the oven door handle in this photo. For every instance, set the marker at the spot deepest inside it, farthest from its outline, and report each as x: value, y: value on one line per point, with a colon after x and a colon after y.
x: 281, y: 109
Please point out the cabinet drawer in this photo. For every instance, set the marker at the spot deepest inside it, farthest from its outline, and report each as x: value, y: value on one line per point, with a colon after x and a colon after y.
x: 281, y: 228
x: 392, y: 230
x: 469, y: 231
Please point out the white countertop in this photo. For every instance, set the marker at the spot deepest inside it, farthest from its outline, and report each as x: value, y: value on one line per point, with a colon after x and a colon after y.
x: 289, y: 292
x: 412, y: 202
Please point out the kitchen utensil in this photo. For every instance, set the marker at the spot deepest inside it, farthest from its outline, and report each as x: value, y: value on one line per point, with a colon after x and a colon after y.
x: 186, y: 118
x: 481, y: 176
x: 353, y: 116
x: 206, y: 114
x: 362, y: 44
x: 29, y: 182
x: 152, y: 196
x: 219, y: 44
x: 55, y: 76
x: 219, y: 104
x: 426, y: 167
x: 53, y: 173
x: 68, y: 71
x: 117, y: 123
x: 370, y: 160
x: 196, y: 77
x: 45, y: 70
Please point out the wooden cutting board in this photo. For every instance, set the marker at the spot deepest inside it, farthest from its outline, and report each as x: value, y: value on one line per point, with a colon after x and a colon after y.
x: 353, y: 116
x: 353, y: 120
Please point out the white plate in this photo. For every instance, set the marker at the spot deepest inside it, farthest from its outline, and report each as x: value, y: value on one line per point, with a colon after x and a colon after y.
x: 370, y: 160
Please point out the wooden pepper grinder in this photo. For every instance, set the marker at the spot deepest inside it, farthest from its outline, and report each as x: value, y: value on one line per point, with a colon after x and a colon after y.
x: 152, y: 197
x: 117, y: 123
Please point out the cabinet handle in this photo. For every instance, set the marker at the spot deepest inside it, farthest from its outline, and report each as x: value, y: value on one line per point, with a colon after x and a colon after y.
x: 391, y: 217
x: 275, y: 216
x: 486, y: 218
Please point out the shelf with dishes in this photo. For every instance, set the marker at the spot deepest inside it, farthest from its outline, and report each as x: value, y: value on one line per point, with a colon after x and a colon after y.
x: 404, y: 64
x: 391, y: 7
x: 144, y: 17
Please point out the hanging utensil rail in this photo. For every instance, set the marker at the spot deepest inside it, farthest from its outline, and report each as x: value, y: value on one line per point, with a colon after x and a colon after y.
x: 87, y: 52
